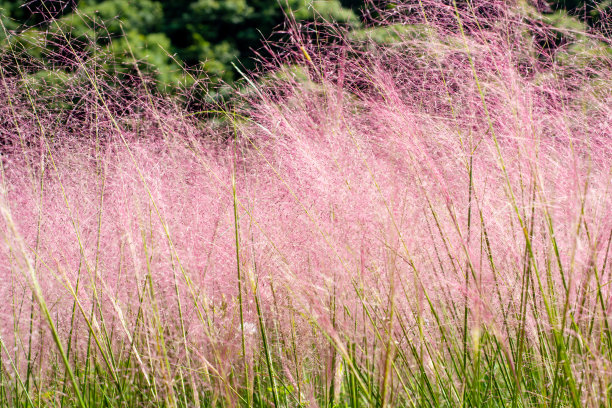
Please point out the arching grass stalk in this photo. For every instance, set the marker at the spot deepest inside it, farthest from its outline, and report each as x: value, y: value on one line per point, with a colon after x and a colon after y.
x: 153, y: 202
x: 20, y: 250
x: 31, y: 270
x: 239, y: 280
x: 264, y: 340
x: 31, y: 172
x: 109, y: 360
x: 17, y: 375
x: 559, y: 342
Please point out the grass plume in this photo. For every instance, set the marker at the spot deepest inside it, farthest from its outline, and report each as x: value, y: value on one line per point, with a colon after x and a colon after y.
x: 414, y: 214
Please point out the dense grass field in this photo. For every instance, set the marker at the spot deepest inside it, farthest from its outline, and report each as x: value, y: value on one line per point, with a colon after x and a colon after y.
x: 416, y: 216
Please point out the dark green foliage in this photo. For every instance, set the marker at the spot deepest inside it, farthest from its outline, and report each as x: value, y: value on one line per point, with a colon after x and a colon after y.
x: 165, y: 37
x: 590, y: 11
x: 205, y: 35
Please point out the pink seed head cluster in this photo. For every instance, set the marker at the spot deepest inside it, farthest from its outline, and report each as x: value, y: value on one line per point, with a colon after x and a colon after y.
x: 359, y: 189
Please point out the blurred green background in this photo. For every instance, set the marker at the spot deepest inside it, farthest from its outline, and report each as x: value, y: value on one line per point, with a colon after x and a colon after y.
x: 203, y: 35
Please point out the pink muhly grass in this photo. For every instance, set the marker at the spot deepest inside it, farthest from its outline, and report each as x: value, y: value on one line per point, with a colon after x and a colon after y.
x: 422, y: 221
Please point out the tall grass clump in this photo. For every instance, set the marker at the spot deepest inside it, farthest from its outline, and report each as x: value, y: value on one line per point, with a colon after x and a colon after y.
x: 414, y: 214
